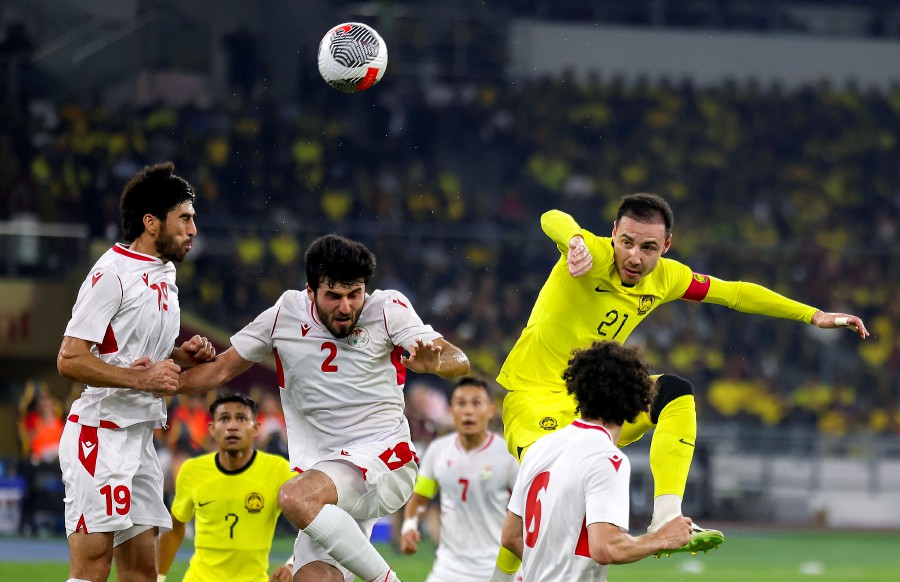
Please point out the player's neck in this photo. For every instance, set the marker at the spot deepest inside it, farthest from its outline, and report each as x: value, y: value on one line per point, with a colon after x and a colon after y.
x: 144, y: 245
x: 235, y: 460
x: 470, y: 442
x: 614, y: 430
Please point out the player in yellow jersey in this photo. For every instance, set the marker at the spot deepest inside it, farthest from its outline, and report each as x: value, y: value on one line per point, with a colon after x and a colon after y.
x: 233, y: 496
x: 601, y: 289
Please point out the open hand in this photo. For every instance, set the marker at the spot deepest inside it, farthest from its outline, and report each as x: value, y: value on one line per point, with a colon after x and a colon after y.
x: 423, y: 357
x: 826, y: 320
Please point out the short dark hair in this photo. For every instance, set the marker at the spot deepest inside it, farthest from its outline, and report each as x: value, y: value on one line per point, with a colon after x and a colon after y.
x: 471, y: 381
x: 339, y: 259
x: 645, y: 207
x: 610, y: 382
x: 234, y: 397
x: 154, y: 190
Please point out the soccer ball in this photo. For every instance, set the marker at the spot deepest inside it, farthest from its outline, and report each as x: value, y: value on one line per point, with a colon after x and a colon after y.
x: 352, y: 57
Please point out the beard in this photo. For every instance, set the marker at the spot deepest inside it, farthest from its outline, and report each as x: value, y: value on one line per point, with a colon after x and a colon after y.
x: 339, y: 329
x: 168, y: 248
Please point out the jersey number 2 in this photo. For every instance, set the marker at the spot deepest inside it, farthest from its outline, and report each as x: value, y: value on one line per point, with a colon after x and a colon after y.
x: 533, y: 508
x: 327, y: 365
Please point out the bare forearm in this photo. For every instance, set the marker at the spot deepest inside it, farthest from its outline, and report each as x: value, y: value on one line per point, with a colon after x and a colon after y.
x: 169, y: 543
x: 213, y: 374
x: 415, y: 506
x: 454, y: 363
x: 91, y: 370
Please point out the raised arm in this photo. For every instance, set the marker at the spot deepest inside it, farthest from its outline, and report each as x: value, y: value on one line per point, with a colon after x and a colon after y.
x: 75, y: 361
x: 213, y: 374
x: 752, y: 298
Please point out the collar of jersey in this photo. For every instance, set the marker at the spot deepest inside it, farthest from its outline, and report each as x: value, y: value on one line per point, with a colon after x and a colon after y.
x: 236, y: 471
x: 123, y: 250
x: 584, y: 424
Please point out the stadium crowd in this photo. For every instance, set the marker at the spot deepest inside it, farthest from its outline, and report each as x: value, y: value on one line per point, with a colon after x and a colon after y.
x: 796, y: 190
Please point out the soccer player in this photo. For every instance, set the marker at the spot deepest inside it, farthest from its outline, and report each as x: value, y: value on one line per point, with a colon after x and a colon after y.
x: 475, y: 474
x: 233, y: 493
x: 341, y: 368
x: 602, y: 288
x: 120, y: 342
x: 568, y: 513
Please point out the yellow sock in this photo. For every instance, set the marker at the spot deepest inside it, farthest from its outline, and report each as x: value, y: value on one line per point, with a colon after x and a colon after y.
x: 507, y: 561
x: 672, y: 447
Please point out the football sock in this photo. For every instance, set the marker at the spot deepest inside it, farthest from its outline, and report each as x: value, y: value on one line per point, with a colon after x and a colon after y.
x: 340, y: 536
x: 671, y: 452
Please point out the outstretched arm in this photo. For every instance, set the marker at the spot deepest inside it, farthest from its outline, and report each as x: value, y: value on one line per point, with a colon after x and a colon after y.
x: 213, y: 374
x: 753, y: 298
x: 610, y: 545
x: 438, y: 357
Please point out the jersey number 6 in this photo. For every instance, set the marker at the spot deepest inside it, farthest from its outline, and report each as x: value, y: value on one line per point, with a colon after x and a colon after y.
x: 533, y: 508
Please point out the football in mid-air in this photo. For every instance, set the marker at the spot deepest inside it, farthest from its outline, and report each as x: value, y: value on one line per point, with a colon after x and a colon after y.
x: 352, y: 57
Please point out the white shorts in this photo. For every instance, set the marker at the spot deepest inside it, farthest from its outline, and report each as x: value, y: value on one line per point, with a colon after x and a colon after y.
x: 112, y: 477
x: 371, y: 481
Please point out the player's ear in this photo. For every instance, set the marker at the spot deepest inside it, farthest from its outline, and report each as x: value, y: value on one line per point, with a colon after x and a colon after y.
x: 615, y: 224
x: 310, y: 293
x: 151, y: 224
x: 667, y: 245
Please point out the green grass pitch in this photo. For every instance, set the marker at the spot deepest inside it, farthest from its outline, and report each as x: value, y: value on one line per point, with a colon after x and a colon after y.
x: 745, y: 556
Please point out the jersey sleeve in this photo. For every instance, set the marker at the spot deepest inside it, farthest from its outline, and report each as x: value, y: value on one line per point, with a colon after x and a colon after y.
x: 183, y: 504
x: 403, y: 323
x: 606, y: 490
x: 98, y: 301
x: 752, y: 298
x: 254, y: 342
x: 426, y: 483
x: 517, y: 499
x: 561, y: 227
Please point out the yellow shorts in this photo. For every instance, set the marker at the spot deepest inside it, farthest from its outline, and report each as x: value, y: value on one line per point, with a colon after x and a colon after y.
x: 530, y: 414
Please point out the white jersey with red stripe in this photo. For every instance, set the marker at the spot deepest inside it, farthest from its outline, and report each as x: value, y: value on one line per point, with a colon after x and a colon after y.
x: 568, y: 480
x: 475, y: 487
x: 337, y: 392
x: 128, y: 307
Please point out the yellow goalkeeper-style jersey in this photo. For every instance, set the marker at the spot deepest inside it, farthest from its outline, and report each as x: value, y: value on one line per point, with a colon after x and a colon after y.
x: 571, y: 313
x: 235, y: 513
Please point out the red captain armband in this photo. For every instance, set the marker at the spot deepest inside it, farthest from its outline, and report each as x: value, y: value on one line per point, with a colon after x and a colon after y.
x: 698, y: 288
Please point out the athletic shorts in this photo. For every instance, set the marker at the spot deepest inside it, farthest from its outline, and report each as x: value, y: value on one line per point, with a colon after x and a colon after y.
x: 372, y: 480
x: 529, y: 414
x: 112, y: 477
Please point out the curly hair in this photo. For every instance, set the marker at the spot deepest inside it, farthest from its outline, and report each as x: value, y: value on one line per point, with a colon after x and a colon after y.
x: 609, y: 381
x: 153, y: 190
x: 338, y: 260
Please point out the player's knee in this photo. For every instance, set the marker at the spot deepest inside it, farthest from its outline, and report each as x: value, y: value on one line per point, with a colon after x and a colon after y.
x: 668, y: 388
x: 295, y: 504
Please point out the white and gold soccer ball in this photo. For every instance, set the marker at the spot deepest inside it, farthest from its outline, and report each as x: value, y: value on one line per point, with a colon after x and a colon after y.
x: 352, y: 57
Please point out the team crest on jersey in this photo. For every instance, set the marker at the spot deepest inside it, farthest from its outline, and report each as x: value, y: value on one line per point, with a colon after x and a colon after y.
x: 254, y: 503
x: 549, y: 423
x: 486, y: 473
x: 645, y: 305
x: 359, y: 337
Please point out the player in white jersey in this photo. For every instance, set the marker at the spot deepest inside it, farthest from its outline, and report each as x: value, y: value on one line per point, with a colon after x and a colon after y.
x: 341, y: 368
x: 568, y: 513
x: 475, y: 474
x: 120, y: 343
